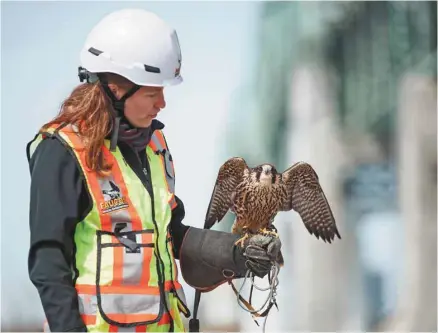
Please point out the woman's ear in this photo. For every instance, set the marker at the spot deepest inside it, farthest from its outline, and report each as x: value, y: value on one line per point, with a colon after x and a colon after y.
x: 115, y: 90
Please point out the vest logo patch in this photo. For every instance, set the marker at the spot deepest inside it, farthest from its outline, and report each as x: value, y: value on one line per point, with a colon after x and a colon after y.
x: 113, y: 199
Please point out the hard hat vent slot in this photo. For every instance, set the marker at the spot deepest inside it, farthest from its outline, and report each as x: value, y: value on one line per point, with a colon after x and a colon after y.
x: 152, y: 69
x: 94, y: 51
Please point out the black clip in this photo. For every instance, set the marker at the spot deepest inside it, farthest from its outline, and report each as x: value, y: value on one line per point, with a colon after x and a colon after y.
x: 128, y: 239
x: 160, y: 152
x: 83, y: 74
x: 194, y: 325
x: 119, y: 105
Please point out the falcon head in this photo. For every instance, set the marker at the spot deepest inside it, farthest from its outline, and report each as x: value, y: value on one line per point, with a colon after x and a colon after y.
x: 266, y: 174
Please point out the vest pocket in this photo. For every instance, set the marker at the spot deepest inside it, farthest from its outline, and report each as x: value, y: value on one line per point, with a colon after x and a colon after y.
x: 126, y: 285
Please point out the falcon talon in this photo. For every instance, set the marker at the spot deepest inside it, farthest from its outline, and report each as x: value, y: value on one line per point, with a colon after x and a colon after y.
x: 267, y: 232
x: 241, y: 241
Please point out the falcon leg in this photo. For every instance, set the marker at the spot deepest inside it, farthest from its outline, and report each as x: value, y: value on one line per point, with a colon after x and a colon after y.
x: 243, y: 231
x: 267, y: 232
x: 272, y: 227
x: 242, y: 240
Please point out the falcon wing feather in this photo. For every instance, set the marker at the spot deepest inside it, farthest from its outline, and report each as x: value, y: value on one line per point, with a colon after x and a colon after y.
x: 306, y: 197
x: 229, y: 177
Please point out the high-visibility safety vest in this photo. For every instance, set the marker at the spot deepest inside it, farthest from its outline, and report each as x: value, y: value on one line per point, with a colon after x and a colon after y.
x: 126, y: 276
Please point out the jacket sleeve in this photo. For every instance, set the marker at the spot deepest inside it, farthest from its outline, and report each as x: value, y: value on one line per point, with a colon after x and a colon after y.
x: 57, y: 201
x: 177, y: 228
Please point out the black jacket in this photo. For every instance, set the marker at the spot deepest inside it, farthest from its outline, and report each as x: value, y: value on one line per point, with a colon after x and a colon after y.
x: 58, y: 201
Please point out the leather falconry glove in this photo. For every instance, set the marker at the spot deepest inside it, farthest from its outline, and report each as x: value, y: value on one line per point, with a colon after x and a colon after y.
x: 260, y: 252
x: 209, y: 258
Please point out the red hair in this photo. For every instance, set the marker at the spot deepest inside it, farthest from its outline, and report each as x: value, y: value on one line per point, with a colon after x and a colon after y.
x: 89, y: 108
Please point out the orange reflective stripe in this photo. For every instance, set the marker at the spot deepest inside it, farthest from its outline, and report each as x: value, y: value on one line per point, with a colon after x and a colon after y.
x: 153, y: 145
x: 118, y: 266
x: 172, y: 202
x: 168, y: 285
x: 165, y: 320
x: 117, y: 174
x: 89, y: 319
x: 90, y: 289
x: 96, y: 192
x: 131, y: 318
x: 113, y: 328
x: 177, y: 285
x: 160, y: 138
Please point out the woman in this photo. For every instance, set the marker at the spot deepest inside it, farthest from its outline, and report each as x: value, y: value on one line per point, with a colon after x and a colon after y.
x: 106, y: 226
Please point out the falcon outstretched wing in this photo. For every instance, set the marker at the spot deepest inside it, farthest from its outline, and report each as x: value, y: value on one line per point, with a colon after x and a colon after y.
x: 230, y: 175
x: 306, y: 197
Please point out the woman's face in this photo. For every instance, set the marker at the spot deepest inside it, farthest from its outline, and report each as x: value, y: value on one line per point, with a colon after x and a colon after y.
x: 142, y: 107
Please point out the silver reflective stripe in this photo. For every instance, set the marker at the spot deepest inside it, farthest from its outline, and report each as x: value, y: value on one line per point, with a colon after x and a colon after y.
x: 73, y: 127
x: 120, y: 304
x: 156, y: 142
x: 87, y: 304
x: 34, y: 145
x: 130, y: 304
x: 133, y: 264
x: 125, y: 329
x: 181, y: 295
x: 170, y: 177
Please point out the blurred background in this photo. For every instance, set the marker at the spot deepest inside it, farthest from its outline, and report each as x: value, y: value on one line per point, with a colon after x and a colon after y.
x: 350, y: 87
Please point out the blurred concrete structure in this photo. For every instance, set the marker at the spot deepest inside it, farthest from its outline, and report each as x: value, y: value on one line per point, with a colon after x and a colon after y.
x: 417, y: 153
x: 324, y: 277
x: 351, y: 88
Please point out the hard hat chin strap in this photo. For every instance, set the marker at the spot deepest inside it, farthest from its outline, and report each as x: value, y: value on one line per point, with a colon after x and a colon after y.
x: 118, y: 104
x: 119, y: 107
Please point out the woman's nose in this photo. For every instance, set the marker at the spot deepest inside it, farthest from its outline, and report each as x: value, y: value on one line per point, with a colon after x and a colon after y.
x: 160, y: 102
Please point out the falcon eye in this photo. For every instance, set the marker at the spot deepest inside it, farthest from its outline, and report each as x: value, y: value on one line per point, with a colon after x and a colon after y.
x: 258, y: 174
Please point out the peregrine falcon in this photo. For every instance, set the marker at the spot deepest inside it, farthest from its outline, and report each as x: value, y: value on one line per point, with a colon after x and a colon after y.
x: 256, y: 195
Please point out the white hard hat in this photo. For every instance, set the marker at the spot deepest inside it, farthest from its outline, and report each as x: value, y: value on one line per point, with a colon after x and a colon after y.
x: 135, y: 44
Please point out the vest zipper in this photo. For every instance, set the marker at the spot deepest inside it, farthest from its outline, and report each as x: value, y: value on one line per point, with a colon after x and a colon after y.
x: 145, y: 178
